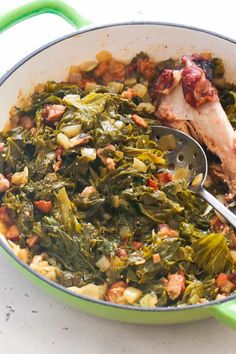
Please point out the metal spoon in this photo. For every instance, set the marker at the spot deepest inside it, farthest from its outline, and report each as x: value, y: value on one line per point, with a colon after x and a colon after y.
x: 188, y: 154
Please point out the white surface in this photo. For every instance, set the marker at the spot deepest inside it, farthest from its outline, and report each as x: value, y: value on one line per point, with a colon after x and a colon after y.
x: 31, y: 321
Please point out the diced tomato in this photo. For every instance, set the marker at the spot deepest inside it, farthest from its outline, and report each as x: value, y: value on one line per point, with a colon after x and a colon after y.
x: 44, y: 206
x: 129, y: 93
x: 165, y: 230
x: 139, y: 121
x: 156, y: 258
x: 175, y: 285
x: 4, y: 216
x: 32, y: 240
x: 146, y: 67
x: 224, y: 284
x: 13, y: 233
x: 152, y: 183
x: 137, y: 245
x: 115, y: 292
x: 115, y: 72
x: 221, y: 279
x: 233, y: 240
x: 164, y: 177
x: 101, y: 69
x: 27, y: 122
x: 2, y: 147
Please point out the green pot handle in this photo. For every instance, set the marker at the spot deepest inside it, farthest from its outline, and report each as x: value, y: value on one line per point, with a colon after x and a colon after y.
x: 226, y: 313
x: 37, y: 7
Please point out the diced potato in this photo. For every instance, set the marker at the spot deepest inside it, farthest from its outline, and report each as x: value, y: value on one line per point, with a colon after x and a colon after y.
x: 131, y: 294
x: 197, y: 180
x: 91, y: 86
x: 88, y: 66
x: 115, y: 201
x: 140, y: 90
x: 139, y: 165
x: 118, y: 124
x: 149, y: 300
x: 22, y: 253
x: 116, y: 86
x: 90, y: 153
x: 181, y: 173
x: 20, y: 178
x: 49, y: 271
x: 147, y: 106
x: 130, y: 82
x: 103, y: 56
x: 91, y: 290
x: 72, y: 130
x: 63, y: 141
x: 3, y: 227
x: 103, y: 264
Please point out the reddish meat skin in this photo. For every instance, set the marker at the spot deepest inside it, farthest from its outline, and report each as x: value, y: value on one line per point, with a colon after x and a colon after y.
x: 197, y: 88
x: 44, y: 206
x: 165, y: 83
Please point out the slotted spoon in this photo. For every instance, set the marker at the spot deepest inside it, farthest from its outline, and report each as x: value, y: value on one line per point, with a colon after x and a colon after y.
x: 189, y: 155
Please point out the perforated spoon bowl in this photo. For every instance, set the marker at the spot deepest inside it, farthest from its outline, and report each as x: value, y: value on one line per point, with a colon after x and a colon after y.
x: 190, y: 156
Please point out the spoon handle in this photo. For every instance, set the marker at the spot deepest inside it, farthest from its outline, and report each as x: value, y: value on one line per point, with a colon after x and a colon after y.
x: 225, y: 212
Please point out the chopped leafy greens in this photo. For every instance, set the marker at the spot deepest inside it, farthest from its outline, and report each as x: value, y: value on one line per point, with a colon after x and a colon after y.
x: 90, y: 200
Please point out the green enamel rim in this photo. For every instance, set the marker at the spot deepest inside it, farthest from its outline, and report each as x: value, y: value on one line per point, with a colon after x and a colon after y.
x: 224, y: 310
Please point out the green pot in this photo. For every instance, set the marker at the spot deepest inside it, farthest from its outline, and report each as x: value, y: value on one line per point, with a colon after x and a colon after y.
x: 51, y: 62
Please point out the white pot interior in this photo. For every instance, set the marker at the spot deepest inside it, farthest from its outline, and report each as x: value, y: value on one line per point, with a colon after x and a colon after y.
x: 123, y: 41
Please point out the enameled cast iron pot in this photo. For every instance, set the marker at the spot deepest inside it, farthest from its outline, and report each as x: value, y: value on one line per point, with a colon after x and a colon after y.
x: 51, y: 62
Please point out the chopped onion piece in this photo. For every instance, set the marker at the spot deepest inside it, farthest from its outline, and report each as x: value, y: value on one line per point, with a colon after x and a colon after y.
x: 197, y: 180
x: 116, y: 86
x: 88, y: 66
x: 103, y: 264
x: 140, y: 90
x: 73, y: 100
x: 131, y: 294
x: 181, y: 173
x: 221, y: 198
x: 90, y: 153
x: 130, y: 82
x: 107, y: 126
x: 91, y: 86
x: 139, y: 165
x: 207, y: 210
x: 71, y: 130
x: 20, y: 178
x: 63, y: 141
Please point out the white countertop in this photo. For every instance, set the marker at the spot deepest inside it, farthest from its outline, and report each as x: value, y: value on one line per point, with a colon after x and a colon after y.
x: 30, y: 320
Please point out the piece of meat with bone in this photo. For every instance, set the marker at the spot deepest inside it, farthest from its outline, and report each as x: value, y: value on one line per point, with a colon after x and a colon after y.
x: 193, y: 106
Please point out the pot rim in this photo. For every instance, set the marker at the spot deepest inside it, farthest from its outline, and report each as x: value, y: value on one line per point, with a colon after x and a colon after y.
x: 25, y: 265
